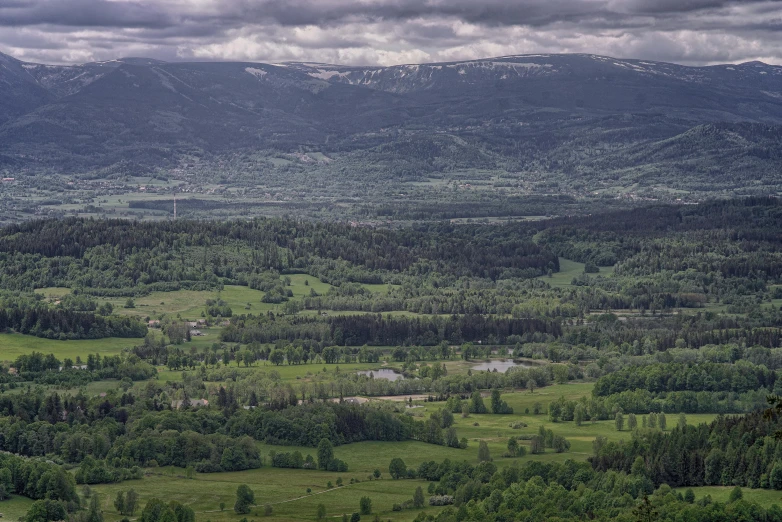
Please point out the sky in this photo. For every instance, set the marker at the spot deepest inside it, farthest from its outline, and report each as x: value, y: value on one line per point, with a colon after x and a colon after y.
x: 387, y: 32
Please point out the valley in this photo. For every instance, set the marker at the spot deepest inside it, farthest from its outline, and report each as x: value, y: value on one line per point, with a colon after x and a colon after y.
x: 184, y: 359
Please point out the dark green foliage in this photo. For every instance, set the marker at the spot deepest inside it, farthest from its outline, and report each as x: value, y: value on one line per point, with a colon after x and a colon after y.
x: 29, y: 317
x: 38, y: 479
x: 499, y: 406
x: 45, y: 510
x: 418, y: 498
x: 397, y: 469
x: 154, y: 511
x: 325, y: 453
x: 680, y: 377
x: 476, y: 403
x: 245, y: 498
x: 738, y: 451
x: 98, y: 472
x: 483, y: 452
x: 182, y: 253
x: 292, y: 460
x: 365, y: 506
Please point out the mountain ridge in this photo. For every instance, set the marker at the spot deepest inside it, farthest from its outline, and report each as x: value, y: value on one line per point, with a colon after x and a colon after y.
x: 339, y: 72
x: 583, y: 116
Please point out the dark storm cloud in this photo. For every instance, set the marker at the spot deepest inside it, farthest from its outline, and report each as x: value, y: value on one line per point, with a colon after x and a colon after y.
x: 83, y: 13
x: 383, y: 31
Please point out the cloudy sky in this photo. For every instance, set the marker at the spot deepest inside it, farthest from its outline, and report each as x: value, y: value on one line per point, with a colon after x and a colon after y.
x: 389, y: 31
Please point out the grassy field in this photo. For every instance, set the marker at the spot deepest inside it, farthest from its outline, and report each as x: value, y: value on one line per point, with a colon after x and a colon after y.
x: 284, y: 490
x: 15, y: 508
x: 14, y: 345
x: 53, y: 292
x: 189, y: 304
x: 568, y: 270
x: 764, y: 497
x: 496, y: 430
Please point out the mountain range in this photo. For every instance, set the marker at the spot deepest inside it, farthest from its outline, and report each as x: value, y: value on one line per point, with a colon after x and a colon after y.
x: 583, y: 115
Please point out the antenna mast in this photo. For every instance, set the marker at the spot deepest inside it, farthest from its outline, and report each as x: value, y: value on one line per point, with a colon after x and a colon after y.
x: 174, y: 206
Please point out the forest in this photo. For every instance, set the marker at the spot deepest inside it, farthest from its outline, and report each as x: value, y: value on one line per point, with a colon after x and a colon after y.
x: 616, y: 365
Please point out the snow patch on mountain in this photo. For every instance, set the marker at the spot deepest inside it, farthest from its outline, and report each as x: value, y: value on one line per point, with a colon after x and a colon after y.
x: 323, y: 74
x: 258, y: 73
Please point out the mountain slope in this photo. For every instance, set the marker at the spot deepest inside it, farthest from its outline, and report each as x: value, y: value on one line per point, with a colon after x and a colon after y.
x: 747, y: 91
x: 578, y: 115
x: 19, y: 92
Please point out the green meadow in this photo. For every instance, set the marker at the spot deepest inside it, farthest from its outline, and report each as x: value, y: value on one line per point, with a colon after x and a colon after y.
x: 568, y: 270
x: 765, y: 497
x: 14, y: 345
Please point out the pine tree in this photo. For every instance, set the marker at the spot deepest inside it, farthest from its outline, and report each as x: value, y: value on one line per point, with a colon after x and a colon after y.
x: 418, y: 498
x: 365, y: 506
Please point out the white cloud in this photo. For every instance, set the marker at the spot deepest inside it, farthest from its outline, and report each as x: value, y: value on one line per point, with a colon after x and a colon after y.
x: 387, y: 32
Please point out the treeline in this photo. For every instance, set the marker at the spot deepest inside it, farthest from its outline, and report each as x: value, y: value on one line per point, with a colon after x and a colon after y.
x: 522, y: 298
x: 92, y: 471
x: 621, y: 233
x: 650, y: 334
x: 502, y: 206
x: 248, y: 388
x: 37, y: 479
x: 668, y: 257
x: 38, y: 319
x: 741, y: 451
x: 308, y: 424
x: 376, y: 329
x: 47, y: 369
x: 739, y: 377
x: 208, y: 453
x: 642, y: 402
x: 120, y: 254
x: 110, y: 436
x: 574, y: 491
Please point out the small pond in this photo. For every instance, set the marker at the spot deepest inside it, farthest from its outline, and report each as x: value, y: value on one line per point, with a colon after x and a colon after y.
x: 383, y: 373
x: 501, y: 366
